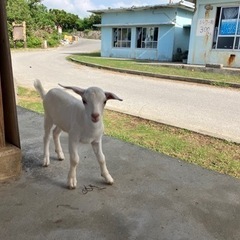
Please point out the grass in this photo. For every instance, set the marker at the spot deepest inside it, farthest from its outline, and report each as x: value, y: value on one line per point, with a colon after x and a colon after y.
x: 142, y: 66
x: 208, y: 152
x: 29, y: 99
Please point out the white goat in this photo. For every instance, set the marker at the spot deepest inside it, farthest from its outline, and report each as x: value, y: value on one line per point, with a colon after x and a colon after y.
x: 82, y: 120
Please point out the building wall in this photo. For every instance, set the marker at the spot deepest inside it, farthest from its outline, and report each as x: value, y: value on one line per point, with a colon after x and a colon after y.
x: 182, y: 30
x: 160, y: 18
x: 202, y: 33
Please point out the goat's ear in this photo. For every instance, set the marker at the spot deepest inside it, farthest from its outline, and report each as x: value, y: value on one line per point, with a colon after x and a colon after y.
x: 77, y: 90
x: 110, y: 96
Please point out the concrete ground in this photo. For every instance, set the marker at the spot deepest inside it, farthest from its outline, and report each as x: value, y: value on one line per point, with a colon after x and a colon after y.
x: 154, y: 196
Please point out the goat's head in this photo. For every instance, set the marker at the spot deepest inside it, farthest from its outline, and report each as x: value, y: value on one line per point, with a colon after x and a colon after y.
x: 94, y: 99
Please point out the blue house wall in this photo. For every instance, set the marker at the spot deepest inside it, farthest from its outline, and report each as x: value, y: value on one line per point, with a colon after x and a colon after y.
x: 172, y: 33
x: 205, y: 29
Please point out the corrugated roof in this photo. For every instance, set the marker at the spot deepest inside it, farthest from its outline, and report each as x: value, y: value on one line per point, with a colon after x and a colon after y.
x: 181, y: 4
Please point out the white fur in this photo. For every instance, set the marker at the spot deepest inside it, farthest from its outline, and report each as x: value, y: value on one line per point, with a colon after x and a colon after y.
x: 82, y: 120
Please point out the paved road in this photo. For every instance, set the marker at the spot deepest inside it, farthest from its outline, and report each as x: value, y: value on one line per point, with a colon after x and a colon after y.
x: 205, y: 109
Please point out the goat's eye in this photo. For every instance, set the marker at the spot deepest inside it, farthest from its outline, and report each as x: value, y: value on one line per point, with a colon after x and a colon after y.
x: 84, y: 102
x: 105, y: 102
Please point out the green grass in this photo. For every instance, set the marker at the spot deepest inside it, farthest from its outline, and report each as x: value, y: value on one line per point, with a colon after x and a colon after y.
x: 208, y: 152
x: 144, y: 66
x: 29, y: 99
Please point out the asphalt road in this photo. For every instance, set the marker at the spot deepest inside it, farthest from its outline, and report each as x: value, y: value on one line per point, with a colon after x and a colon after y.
x: 205, y: 109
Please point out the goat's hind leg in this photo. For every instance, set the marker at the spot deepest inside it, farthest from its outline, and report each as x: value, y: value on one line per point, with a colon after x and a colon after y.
x: 56, y: 138
x: 97, y: 148
x: 46, y: 140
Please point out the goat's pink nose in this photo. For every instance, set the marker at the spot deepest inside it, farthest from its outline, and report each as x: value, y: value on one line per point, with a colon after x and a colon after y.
x: 95, y: 117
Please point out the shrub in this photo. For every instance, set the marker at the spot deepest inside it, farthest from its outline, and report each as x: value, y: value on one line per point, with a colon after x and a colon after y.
x: 34, y: 42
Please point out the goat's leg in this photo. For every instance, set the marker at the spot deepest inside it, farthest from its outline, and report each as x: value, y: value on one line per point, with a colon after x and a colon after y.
x: 74, y: 159
x: 97, y: 148
x: 46, y: 140
x: 58, y: 148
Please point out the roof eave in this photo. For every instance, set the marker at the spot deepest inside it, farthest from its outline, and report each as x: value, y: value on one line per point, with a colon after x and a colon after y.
x: 133, y: 24
x: 182, y: 4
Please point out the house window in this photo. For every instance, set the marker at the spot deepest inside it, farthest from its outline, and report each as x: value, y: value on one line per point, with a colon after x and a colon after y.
x: 227, y: 28
x: 147, y: 37
x: 122, y: 37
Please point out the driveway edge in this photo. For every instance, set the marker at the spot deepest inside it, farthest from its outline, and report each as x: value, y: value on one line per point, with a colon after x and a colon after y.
x: 154, y: 75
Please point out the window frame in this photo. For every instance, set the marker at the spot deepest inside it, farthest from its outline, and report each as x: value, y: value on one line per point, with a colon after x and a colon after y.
x: 147, y: 37
x: 223, y: 40
x: 122, y: 37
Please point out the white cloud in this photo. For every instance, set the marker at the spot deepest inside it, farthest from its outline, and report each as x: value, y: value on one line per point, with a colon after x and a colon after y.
x: 78, y: 7
x: 123, y: 4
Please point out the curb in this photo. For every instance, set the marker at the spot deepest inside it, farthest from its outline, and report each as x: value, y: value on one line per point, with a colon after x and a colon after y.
x: 154, y: 75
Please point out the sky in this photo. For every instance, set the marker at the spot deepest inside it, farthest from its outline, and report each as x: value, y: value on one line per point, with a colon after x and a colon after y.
x: 80, y: 7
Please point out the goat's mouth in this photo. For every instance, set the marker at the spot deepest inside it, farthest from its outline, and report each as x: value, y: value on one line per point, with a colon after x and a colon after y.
x: 95, y: 120
x: 95, y: 117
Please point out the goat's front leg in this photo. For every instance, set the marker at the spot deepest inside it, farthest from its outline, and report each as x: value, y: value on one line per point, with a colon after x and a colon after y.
x: 74, y: 159
x: 97, y: 148
x: 58, y: 148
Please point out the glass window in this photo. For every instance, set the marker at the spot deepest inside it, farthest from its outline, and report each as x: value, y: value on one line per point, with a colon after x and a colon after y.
x: 122, y: 37
x: 147, y: 37
x: 227, y: 28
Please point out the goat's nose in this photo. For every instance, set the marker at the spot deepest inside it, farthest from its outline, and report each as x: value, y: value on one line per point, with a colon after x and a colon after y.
x: 95, y: 117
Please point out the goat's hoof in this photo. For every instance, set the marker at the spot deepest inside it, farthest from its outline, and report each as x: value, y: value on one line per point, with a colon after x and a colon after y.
x: 60, y: 155
x: 46, y: 162
x: 109, y: 180
x: 72, y: 184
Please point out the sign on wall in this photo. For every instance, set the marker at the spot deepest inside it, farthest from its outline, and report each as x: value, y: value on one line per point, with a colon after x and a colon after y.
x: 19, y: 33
x: 205, y: 27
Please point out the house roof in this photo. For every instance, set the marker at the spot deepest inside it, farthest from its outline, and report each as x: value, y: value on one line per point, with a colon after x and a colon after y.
x: 181, y: 4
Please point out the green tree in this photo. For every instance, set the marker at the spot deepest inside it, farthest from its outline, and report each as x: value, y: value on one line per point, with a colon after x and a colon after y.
x: 88, y: 23
x: 40, y: 16
x: 18, y: 11
x: 94, y: 19
x: 67, y: 21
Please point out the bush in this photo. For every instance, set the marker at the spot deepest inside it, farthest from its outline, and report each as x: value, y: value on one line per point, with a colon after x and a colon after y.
x: 34, y: 42
x: 53, y: 39
x: 52, y: 42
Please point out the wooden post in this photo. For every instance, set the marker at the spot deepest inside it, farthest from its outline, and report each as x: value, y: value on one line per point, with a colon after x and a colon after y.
x: 24, y: 34
x: 10, y: 153
x: 2, y: 132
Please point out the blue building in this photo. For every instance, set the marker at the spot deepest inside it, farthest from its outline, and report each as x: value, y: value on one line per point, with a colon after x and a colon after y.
x: 159, y: 32
x: 215, y: 33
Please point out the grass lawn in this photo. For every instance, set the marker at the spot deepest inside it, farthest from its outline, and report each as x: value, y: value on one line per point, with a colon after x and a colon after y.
x: 208, y: 152
x: 142, y: 66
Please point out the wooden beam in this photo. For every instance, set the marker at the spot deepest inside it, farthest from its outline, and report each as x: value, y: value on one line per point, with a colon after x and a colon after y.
x: 7, y: 83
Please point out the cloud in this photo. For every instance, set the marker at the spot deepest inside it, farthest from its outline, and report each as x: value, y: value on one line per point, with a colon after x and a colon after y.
x: 78, y: 7
x: 123, y: 4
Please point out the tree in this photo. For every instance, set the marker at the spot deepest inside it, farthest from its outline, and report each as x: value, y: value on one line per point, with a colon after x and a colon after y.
x: 67, y: 21
x: 94, y: 19
x: 18, y: 11
x: 40, y: 15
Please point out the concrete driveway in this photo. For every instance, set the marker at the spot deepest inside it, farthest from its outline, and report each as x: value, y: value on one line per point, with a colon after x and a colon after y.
x: 205, y: 109
x: 154, y: 196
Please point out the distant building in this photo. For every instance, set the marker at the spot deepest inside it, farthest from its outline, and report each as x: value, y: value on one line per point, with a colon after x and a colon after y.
x: 159, y: 32
x: 215, y: 33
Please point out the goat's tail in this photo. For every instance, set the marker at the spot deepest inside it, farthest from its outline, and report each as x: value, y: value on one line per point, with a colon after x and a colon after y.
x: 37, y: 84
